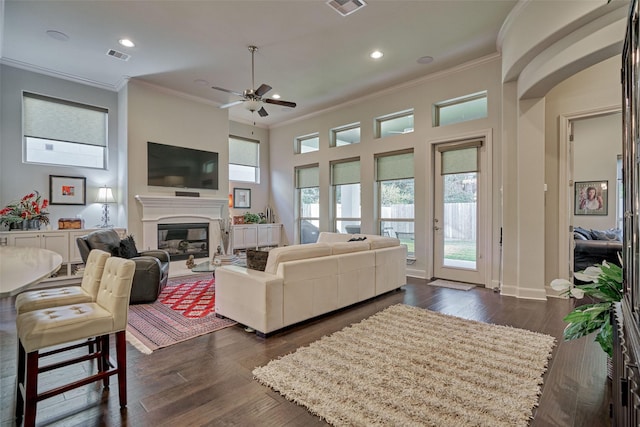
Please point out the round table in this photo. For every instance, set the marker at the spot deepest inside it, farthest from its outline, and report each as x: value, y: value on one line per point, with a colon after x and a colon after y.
x: 24, y: 266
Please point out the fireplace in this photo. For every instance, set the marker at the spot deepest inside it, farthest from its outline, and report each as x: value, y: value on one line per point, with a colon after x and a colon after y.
x: 184, y: 239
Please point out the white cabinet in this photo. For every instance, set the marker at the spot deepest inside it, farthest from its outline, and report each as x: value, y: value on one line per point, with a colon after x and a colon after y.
x: 244, y: 236
x: 269, y: 234
x: 253, y: 236
x: 60, y: 241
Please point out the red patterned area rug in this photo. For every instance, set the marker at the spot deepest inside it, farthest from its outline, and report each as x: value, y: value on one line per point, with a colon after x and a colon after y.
x: 185, y: 309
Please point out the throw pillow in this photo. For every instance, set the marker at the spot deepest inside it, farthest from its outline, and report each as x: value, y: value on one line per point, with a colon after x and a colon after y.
x: 578, y: 236
x: 128, y: 248
x: 357, y: 239
x: 586, y: 233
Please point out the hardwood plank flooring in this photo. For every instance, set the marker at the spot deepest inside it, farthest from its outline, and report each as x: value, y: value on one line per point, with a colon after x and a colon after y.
x: 208, y: 380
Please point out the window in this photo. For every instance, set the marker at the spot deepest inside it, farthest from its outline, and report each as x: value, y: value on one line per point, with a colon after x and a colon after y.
x: 396, y: 207
x: 345, y: 135
x: 345, y: 185
x: 244, y: 160
x: 308, y: 198
x: 394, y: 124
x: 457, y: 110
x: 64, y: 133
x: 306, y: 144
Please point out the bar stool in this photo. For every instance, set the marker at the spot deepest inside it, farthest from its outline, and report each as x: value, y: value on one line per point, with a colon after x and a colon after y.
x: 55, y: 297
x: 40, y: 329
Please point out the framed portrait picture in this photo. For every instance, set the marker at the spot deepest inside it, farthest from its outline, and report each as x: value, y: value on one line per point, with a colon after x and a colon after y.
x: 591, y: 197
x: 242, y: 198
x: 67, y: 190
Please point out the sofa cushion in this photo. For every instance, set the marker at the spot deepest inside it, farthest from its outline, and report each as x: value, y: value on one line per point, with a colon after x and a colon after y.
x: 105, y: 240
x: 293, y: 253
x: 383, y: 242
x: 328, y: 237
x: 348, y: 247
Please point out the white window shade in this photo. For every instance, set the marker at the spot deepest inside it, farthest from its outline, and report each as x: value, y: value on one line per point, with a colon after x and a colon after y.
x: 459, y: 158
x: 345, y: 173
x: 307, y: 177
x: 396, y: 166
x: 58, y: 120
x: 244, y: 152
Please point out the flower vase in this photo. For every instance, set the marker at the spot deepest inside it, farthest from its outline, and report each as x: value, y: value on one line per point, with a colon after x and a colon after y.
x: 33, y: 224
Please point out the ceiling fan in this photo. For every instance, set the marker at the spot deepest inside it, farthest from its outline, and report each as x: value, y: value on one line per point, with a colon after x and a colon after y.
x: 254, y: 97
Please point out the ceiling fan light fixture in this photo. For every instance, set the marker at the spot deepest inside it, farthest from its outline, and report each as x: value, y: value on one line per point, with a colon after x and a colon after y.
x: 252, y: 105
x: 275, y: 96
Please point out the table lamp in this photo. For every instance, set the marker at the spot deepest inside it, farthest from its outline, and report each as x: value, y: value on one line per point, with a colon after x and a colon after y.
x: 105, y: 196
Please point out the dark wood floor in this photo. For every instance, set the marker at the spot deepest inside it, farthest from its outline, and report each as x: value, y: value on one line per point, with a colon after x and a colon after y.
x: 208, y: 381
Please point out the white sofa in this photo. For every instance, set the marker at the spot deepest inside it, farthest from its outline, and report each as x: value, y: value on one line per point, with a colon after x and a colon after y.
x: 304, y: 281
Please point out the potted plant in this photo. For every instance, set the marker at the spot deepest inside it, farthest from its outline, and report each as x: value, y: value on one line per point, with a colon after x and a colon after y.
x: 27, y: 213
x: 604, y: 284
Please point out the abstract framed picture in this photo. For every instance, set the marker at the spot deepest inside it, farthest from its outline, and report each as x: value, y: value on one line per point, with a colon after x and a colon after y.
x: 242, y: 198
x: 591, y: 198
x: 67, y: 190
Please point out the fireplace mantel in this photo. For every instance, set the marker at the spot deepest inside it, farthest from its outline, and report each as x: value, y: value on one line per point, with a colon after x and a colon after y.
x: 174, y: 209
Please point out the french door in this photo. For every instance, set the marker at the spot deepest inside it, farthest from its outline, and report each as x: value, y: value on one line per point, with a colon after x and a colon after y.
x: 458, y: 236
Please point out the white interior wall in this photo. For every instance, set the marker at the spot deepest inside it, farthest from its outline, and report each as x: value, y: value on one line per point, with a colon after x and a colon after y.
x: 168, y: 118
x: 419, y: 95
x: 596, y: 144
x: 18, y: 178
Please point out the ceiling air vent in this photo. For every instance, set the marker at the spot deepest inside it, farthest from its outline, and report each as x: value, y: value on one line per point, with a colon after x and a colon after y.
x: 346, y: 7
x: 119, y: 55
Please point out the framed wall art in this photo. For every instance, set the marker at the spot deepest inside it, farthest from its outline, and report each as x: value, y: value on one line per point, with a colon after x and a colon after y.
x: 67, y: 190
x: 242, y: 198
x: 591, y: 198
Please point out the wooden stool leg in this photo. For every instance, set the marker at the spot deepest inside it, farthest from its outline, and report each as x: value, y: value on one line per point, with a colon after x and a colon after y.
x: 31, y: 389
x: 121, y: 354
x: 20, y: 380
x: 103, y: 360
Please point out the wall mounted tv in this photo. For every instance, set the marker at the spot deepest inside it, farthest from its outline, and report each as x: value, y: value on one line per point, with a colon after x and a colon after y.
x: 171, y: 166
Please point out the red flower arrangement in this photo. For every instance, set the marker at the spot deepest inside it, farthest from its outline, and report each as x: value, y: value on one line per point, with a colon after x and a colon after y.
x: 30, y: 207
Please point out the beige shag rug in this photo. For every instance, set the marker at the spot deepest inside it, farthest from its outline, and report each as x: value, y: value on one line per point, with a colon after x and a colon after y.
x: 407, y: 366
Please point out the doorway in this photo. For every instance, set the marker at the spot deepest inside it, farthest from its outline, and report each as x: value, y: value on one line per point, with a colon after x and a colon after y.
x: 459, y: 204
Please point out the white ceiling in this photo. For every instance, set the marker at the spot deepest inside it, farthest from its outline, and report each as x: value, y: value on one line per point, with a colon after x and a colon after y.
x: 308, y: 52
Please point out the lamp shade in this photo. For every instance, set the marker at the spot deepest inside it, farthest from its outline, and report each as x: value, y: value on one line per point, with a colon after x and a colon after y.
x: 105, y: 195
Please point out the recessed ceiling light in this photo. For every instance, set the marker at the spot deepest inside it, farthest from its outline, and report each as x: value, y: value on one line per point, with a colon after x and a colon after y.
x: 57, y: 35
x: 376, y: 54
x: 202, y: 82
x: 126, y: 43
x: 425, y: 60
x: 276, y: 96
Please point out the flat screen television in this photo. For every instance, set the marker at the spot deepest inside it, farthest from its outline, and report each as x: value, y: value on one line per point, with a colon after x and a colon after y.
x: 171, y: 166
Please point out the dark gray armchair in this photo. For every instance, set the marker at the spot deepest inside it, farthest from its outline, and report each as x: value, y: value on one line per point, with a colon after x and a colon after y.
x: 152, y: 267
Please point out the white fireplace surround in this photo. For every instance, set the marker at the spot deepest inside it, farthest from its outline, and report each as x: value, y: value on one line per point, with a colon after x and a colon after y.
x: 175, y: 210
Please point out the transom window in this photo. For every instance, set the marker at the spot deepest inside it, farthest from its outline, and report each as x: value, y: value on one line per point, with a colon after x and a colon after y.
x: 307, y: 144
x: 462, y: 109
x: 345, y: 135
x: 63, y: 133
x: 244, y: 160
x: 394, y: 124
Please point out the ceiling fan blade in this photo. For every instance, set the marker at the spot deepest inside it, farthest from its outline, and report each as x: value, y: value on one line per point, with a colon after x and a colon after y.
x: 232, y: 103
x: 226, y: 90
x: 280, y: 102
x: 263, y: 112
x: 262, y: 89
